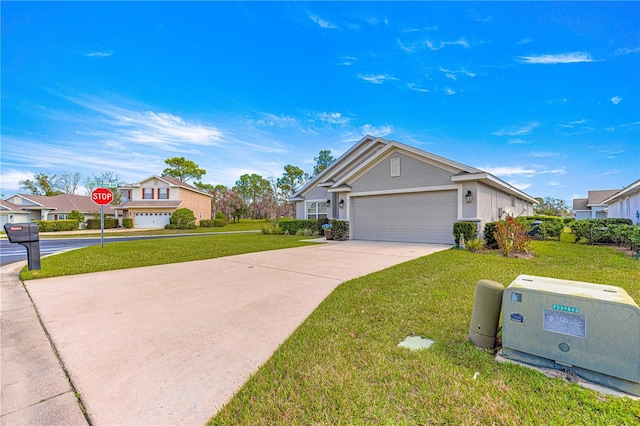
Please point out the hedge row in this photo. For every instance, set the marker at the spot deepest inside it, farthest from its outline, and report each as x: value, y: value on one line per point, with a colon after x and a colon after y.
x: 618, y: 231
x: 291, y: 227
x: 109, y: 223
x: 56, y: 225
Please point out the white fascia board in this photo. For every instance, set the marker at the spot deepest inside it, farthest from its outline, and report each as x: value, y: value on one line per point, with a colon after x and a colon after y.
x: 294, y: 199
x: 341, y: 189
x: 469, y: 219
x: 495, y: 182
x: 405, y: 190
x: 426, y: 157
x: 341, y: 163
x: 628, y: 190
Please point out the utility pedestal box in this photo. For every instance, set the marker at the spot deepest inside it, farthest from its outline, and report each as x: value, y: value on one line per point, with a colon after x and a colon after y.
x: 591, y: 329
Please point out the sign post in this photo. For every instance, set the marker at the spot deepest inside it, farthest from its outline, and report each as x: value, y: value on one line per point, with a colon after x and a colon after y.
x: 102, y: 196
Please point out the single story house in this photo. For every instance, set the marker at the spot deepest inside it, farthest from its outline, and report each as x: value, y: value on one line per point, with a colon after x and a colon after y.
x: 592, y: 207
x: 151, y: 201
x: 11, y: 213
x: 389, y: 191
x: 27, y: 207
x: 625, y: 203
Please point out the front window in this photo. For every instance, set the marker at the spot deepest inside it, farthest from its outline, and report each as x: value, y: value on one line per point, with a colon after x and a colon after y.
x: 147, y: 193
x: 316, y: 210
x: 163, y: 193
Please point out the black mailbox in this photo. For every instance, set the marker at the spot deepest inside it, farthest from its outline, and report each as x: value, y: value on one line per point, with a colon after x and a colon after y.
x: 26, y: 234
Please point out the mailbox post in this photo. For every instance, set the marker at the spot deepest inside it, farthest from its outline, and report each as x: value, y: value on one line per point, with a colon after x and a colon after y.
x: 26, y: 234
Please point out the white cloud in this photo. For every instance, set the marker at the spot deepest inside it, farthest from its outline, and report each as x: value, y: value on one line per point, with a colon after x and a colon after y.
x: 627, y: 51
x: 322, y: 23
x: 518, y: 142
x: 562, y: 58
x: 376, y: 79
x: 104, y: 54
x: 440, y: 44
x: 616, y: 100
x: 453, y: 74
x: 10, y: 180
x: 449, y: 91
x: 525, y: 40
x: 540, y: 154
x: 413, y: 86
x: 520, y: 185
x: 509, y: 170
x: 348, y: 60
x: 271, y: 120
x: 516, y: 130
x: 333, y: 118
x: 379, y: 131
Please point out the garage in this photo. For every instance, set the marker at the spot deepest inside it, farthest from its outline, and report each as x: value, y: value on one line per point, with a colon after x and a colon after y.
x: 151, y: 220
x: 423, y: 217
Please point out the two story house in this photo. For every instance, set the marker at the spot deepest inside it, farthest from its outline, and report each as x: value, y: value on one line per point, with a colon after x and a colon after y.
x: 151, y: 201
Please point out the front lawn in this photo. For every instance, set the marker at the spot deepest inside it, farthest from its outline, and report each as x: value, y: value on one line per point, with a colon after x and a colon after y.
x: 342, y: 365
x: 156, y: 251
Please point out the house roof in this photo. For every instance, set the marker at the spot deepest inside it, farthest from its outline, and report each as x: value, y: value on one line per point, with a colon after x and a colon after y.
x: 596, y: 198
x: 170, y: 204
x: 172, y: 182
x: 580, y: 204
x: 62, y: 203
x: 6, y: 206
x: 634, y: 188
x: 369, y: 150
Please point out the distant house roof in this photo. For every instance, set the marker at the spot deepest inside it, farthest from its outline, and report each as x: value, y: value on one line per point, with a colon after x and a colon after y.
x: 596, y: 198
x: 580, y: 204
x: 169, y: 180
x: 6, y: 206
x: 62, y: 204
x: 624, y: 192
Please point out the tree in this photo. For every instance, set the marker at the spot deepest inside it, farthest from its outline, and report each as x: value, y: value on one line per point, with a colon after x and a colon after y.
x: 68, y: 182
x: 182, y: 169
x: 109, y: 180
x: 42, y: 184
x: 323, y: 160
x: 292, y: 178
x: 257, y: 194
x: 551, y: 206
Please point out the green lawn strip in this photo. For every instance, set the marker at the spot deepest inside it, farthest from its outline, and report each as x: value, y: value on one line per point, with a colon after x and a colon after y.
x: 243, y: 225
x: 157, y: 251
x: 342, y: 365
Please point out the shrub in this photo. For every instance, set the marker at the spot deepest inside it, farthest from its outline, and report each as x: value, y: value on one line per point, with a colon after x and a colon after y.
x: 221, y: 217
x: 270, y: 228
x: 206, y: 223
x: 467, y: 229
x: 339, y: 230
x: 109, y: 223
x: 127, y: 223
x: 219, y: 223
x: 170, y: 226
x: 511, y: 237
x: 183, y: 219
x: 567, y: 221
x: 292, y: 227
x: 489, y: 238
x: 76, y: 215
x: 551, y: 226
x: 306, y: 232
x: 57, y: 225
x: 475, y: 245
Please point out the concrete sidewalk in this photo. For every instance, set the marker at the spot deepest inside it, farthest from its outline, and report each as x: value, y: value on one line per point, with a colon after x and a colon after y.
x: 170, y: 344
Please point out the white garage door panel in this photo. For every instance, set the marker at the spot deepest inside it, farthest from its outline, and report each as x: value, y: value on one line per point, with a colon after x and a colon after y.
x: 419, y: 217
x: 152, y: 220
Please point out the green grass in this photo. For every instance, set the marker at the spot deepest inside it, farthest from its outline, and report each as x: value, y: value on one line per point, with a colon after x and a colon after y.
x: 243, y: 225
x: 133, y: 254
x: 342, y: 366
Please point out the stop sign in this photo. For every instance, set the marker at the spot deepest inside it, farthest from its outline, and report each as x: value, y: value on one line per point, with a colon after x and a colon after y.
x: 101, y: 196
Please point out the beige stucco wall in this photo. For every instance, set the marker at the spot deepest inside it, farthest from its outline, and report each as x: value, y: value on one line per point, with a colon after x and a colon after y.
x: 199, y: 204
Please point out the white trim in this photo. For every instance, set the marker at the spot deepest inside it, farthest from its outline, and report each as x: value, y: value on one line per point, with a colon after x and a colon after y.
x: 502, y: 185
x: 341, y: 189
x: 316, y: 201
x: 470, y: 219
x: 406, y: 190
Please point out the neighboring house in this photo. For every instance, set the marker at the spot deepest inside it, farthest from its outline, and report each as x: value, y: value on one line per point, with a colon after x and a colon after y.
x: 389, y: 191
x: 11, y: 213
x: 151, y: 201
x: 56, y: 207
x: 592, y: 207
x: 625, y: 203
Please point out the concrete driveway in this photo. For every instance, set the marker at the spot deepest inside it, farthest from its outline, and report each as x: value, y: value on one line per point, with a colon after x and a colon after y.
x: 170, y: 344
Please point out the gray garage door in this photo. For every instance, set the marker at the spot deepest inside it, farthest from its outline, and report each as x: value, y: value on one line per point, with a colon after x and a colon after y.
x: 425, y: 217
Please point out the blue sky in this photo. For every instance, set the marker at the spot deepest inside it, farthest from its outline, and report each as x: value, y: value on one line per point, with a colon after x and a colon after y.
x: 545, y: 96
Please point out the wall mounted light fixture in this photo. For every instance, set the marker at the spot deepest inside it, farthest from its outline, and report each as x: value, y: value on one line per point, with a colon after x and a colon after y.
x: 328, y: 201
x: 341, y: 203
x: 468, y: 197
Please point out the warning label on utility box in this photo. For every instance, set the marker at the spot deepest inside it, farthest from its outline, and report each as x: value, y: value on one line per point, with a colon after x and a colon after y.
x: 565, y: 323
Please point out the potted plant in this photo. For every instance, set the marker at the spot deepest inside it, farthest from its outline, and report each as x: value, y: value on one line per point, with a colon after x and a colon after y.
x: 327, y: 231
